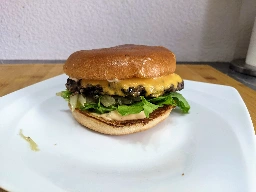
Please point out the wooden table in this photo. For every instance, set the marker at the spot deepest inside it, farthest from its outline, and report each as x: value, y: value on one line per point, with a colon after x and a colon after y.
x: 16, y: 76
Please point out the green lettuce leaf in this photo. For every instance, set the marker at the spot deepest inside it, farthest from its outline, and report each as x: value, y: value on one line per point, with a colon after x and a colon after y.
x: 174, y: 99
x: 148, y: 107
x: 129, y: 109
x: 135, y: 108
x: 163, y: 100
x: 180, y: 101
x: 97, y: 107
x: 64, y: 94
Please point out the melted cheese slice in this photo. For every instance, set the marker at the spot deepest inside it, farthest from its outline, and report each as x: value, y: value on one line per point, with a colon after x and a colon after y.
x: 154, y: 86
x: 114, y: 115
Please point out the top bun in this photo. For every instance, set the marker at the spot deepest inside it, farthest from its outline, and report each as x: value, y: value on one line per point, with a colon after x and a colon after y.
x: 120, y: 62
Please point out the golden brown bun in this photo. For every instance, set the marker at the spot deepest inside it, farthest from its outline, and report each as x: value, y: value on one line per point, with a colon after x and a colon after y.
x: 121, y: 62
x: 104, y: 126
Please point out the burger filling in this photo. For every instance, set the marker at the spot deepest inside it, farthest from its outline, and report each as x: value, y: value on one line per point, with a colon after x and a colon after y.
x: 125, y: 97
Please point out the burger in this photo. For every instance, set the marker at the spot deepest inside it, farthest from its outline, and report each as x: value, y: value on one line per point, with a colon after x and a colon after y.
x: 123, y: 89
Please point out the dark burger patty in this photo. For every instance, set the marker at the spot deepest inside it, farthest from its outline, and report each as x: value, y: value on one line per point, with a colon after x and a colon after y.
x: 92, y: 90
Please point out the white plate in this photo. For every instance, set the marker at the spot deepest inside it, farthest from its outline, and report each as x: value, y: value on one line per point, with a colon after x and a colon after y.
x: 210, y: 149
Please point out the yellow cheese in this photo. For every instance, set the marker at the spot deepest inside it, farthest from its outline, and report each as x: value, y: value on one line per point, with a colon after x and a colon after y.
x: 114, y: 115
x: 153, y: 86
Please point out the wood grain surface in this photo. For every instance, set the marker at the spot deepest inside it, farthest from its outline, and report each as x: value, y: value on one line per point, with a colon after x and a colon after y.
x: 16, y: 76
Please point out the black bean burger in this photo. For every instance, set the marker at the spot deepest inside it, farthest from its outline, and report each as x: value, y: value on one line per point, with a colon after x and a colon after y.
x: 123, y: 89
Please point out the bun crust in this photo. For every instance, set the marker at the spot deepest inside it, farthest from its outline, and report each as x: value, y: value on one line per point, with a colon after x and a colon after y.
x: 120, y: 62
x: 104, y: 126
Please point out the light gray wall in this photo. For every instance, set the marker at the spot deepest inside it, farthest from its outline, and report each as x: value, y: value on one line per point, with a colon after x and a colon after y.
x: 195, y: 30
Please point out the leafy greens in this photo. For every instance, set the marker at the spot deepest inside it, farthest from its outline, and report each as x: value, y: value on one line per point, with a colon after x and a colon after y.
x: 148, y: 105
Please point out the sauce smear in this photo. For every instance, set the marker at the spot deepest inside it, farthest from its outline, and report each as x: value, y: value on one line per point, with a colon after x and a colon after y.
x: 33, y: 145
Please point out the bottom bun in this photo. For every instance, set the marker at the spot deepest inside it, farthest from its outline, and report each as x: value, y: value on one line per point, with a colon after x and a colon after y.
x: 113, y: 127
